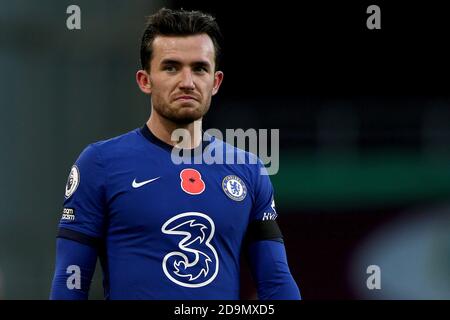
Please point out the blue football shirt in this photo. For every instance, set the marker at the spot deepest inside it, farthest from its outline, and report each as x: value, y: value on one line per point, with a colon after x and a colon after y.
x: 166, y: 230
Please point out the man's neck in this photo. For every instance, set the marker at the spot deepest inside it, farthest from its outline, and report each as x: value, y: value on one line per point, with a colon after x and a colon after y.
x: 164, y: 129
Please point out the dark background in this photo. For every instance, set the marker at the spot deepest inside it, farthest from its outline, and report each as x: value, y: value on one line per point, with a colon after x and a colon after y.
x: 364, y: 119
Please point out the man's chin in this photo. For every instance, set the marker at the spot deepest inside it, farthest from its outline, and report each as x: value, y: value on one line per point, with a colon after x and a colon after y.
x: 186, y: 116
x: 184, y: 113
x: 186, y: 103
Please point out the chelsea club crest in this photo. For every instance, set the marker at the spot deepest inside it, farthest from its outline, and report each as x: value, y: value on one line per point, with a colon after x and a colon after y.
x: 234, y: 188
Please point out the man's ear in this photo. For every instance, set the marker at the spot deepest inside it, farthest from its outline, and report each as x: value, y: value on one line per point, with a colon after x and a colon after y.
x: 218, y: 78
x: 143, y: 81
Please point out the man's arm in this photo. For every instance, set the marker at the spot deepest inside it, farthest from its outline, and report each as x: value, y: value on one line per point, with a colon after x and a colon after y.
x: 81, y: 226
x: 265, y: 245
x: 75, y: 266
x: 269, y: 267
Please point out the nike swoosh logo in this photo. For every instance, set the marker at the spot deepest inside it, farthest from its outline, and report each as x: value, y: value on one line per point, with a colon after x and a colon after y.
x: 140, y: 184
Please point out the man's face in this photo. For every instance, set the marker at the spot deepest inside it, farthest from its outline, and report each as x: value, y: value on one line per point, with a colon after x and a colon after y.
x: 182, y: 78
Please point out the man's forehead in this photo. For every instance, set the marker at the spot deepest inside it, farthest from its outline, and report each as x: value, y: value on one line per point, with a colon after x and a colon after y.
x: 195, y: 46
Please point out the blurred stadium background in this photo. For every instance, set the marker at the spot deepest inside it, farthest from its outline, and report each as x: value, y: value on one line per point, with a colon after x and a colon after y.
x: 364, y: 123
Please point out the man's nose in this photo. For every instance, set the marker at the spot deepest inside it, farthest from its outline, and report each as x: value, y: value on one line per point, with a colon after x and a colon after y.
x: 187, y: 81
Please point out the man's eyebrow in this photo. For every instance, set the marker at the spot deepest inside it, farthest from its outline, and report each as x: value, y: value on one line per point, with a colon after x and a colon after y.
x: 170, y: 61
x: 201, y: 64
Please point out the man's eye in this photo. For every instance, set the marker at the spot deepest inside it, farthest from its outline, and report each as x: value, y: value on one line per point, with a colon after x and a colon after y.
x: 170, y: 68
x: 200, y: 69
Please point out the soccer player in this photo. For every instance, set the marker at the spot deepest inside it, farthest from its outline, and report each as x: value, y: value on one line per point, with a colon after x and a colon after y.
x: 163, y: 229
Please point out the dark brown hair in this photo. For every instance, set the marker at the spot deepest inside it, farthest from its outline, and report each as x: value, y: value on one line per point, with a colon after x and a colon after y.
x: 167, y: 22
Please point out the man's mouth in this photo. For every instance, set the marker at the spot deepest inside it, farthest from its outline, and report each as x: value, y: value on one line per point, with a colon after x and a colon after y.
x: 185, y: 98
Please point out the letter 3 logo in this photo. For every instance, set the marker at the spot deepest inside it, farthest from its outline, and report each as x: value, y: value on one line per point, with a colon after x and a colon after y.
x: 196, y: 263
x: 191, y: 181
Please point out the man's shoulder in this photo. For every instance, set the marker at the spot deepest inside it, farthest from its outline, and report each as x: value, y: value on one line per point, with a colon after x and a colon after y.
x: 115, y: 146
x: 243, y: 163
x: 239, y: 156
x: 123, y: 139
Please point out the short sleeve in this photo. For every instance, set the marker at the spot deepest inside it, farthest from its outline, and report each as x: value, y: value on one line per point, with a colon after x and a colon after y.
x: 84, y: 205
x: 264, y: 202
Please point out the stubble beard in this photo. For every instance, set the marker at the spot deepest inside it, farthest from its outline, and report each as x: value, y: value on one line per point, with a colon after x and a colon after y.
x: 181, y: 116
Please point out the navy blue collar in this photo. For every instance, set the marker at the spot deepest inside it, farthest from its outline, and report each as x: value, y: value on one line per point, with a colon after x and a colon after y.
x: 155, y: 140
